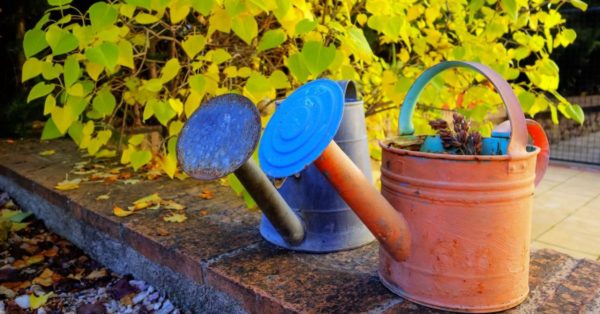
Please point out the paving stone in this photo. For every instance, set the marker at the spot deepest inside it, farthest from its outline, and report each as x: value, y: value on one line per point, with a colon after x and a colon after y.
x: 220, y: 249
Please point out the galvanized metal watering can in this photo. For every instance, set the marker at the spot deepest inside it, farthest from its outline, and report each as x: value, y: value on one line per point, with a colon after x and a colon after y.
x: 330, y: 223
x: 469, y: 215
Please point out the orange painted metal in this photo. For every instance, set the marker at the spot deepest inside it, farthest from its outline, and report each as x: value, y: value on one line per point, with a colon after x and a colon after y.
x: 469, y: 218
x: 386, y: 224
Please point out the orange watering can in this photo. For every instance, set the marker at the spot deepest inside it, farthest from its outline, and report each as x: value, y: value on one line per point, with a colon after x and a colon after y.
x: 469, y: 215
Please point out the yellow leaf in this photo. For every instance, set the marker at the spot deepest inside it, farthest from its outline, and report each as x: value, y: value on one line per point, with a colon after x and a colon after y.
x: 193, y: 44
x: 152, y: 198
x: 102, y: 197
x: 36, y: 302
x: 145, y: 18
x: 120, y: 212
x: 170, y: 204
x: 68, y: 185
x: 175, y: 218
x: 98, y: 273
x: 48, y: 152
x: 177, y: 105
x: 169, y: 165
x: 219, y: 21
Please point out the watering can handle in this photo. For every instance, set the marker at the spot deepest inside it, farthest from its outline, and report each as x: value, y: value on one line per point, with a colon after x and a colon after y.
x: 518, y: 141
x: 537, y: 134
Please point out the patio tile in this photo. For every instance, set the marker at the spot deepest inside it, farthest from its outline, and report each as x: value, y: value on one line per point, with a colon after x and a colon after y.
x: 559, y: 200
x: 560, y: 173
x: 544, y: 219
x: 576, y: 254
x: 571, y: 236
x: 546, y: 185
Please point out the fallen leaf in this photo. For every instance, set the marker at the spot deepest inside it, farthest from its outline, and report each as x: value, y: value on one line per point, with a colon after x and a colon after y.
x: 175, y: 218
x: 51, y: 252
x: 98, y: 273
x: 68, y: 185
x: 120, y: 212
x: 9, y: 141
x: 162, y: 232
x: 98, y: 176
x: 111, y: 179
x: 29, y: 248
x: 95, y: 308
x: 46, y: 278
x: 35, y: 302
x: 206, y: 194
x: 48, y: 152
x: 18, y: 226
x: 131, y: 181
x: 77, y: 275
x: 170, y: 204
x: 126, y: 300
x: 6, y: 292
x: 121, y: 289
x: 146, y: 201
x: 181, y: 175
x: 153, y: 174
x: 102, y: 197
x: 125, y: 175
x: 17, y: 285
x: 115, y: 170
x: 203, y: 212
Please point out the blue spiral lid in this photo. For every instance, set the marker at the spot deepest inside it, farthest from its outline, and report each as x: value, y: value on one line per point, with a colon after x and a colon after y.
x: 301, y: 128
x: 219, y: 137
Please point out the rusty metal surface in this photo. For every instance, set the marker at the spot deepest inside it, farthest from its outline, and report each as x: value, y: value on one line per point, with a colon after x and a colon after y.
x: 219, y: 137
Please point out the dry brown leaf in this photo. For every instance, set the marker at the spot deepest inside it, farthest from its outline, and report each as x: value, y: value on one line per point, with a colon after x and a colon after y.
x: 98, y: 273
x: 9, y: 141
x: 203, y: 212
x: 175, y: 218
x: 162, y: 232
x: 120, y: 212
x: 68, y: 185
x: 125, y: 175
x: 51, y: 252
x: 206, y: 194
x: 46, y: 278
x: 111, y: 179
x: 115, y: 170
x: 17, y: 285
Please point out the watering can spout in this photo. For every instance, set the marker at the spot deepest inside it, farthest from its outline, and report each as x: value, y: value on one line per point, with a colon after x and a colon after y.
x: 386, y: 223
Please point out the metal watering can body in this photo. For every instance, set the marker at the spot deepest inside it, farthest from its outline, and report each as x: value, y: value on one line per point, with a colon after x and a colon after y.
x: 469, y: 216
x: 330, y: 224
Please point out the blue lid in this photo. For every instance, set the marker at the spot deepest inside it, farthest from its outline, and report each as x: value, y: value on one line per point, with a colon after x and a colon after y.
x: 219, y: 137
x: 301, y: 128
x: 502, y: 134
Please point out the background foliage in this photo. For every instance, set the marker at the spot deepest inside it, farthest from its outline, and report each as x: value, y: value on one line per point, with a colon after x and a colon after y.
x: 105, y: 72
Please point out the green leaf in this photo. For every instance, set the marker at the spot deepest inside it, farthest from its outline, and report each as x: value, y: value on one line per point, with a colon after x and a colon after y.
x: 50, y: 71
x: 170, y: 70
x: 45, y: 19
x: 245, y: 27
x: 193, y: 45
x: 271, y: 39
x: 61, y: 41
x: 102, y: 15
x: 203, y: 7
x: 49, y: 104
x: 577, y: 113
x: 34, y: 42
x: 146, y: 4
x: 178, y: 10
x: 140, y: 158
x: 317, y: 57
x: 59, y: 3
x: 40, y: 89
x: 297, y: 67
x: 175, y: 128
x: 198, y: 83
x: 219, y: 56
x: 31, y: 68
x: 510, y: 7
x: 279, y: 80
x: 553, y: 114
x: 105, y: 54
x: 76, y: 132
x: 305, y: 26
x: 72, y: 71
x: 104, y: 102
x: 282, y: 8
x: 527, y: 100
x: 234, y: 7
x: 50, y: 131
x: 162, y: 111
x: 125, y: 57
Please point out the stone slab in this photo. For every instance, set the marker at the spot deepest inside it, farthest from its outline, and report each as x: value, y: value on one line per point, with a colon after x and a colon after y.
x: 216, y: 262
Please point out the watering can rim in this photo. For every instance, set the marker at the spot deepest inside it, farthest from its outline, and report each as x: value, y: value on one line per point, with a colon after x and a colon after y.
x: 518, y: 140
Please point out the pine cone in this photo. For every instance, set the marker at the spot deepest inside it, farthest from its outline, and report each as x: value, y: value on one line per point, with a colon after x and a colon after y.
x: 438, y: 124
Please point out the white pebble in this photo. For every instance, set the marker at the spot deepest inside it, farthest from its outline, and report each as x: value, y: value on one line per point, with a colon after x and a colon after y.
x: 41, y: 310
x: 167, y: 307
x: 139, y: 297
x: 22, y: 301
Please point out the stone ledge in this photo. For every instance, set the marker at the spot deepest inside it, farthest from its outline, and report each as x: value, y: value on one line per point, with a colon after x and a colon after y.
x: 217, y: 262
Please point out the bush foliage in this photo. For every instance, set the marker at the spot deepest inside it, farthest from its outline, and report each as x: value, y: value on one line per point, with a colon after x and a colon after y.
x: 127, y: 63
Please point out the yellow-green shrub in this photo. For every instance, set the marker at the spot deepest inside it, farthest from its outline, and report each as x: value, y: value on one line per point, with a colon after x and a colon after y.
x: 126, y: 63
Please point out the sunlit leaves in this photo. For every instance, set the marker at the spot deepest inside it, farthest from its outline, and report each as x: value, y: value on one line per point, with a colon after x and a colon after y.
x: 510, y: 7
x: 58, y: 3
x: 170, y: 70
x: 106, y: 54
x: 72, y: 71
x: 40, y: 89
x: 125, y: 55
x: 145, y: 18
x: 245, y: 27
x: 140, y: 158
x: 271, y: 39
x: 358, y: 44
x: 317, y: 57
x: 60, y: 40
x: 34, y: 42
x: 193, y: 45
x: 31, y: 68
x: 104, y: 102
x: 102, y: 15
